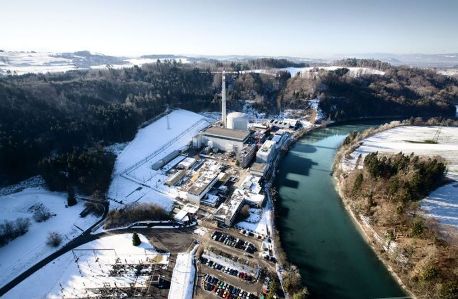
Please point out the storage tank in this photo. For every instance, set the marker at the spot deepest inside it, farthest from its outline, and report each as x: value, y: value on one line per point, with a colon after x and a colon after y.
x: 237, y: 121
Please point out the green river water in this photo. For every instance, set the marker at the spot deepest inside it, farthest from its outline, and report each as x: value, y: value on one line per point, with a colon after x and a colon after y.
x: 317, y: 233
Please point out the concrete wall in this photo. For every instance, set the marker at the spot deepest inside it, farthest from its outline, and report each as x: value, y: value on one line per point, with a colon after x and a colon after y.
x: 223, y: 144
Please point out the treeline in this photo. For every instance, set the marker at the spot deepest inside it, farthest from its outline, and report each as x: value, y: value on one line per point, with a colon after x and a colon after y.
x: 87, y: 170
x: 408, y: 178
x: 265, y: 63
x: 386, y: 191
x: 369, y: 63
x: 133, y: 213
x: 43, y: 116
x: 400, y: 92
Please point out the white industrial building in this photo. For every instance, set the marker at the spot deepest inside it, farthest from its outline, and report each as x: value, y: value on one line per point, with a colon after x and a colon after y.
x: 224, y: 139
x: 233, y: 134
x: 267, y: 152
x: 237, y: 121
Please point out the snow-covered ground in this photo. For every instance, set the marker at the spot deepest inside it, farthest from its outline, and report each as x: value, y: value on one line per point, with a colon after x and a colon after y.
x: 354, y: 71
x: 89, y: 266
x: 183, y: 276
x: 448, y: 72
x: 133, y: 178
x: 442, y: 204
x: 23, y: 62
x: 28, y: 249
x: 314, y: 104
x: 33, y: 62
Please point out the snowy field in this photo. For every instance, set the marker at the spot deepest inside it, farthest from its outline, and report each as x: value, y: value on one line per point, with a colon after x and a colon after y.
x: 449, y: 72
x: 442, y: 204
x: 92, y: 265
x: 33, y: 62
x: 134, y: 179
x: 354, y: 71
x: 23, y: 62
x: 23, y: 252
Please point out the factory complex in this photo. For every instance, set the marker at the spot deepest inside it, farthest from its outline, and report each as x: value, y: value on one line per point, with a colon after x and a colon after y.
x: 212, y: 175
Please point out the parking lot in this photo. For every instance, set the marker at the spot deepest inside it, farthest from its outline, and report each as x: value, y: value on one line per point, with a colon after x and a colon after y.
x: 234, y: 242
x: 222, y: 289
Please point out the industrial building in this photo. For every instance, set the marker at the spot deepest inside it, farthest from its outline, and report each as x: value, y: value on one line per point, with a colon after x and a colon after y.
x: 224, y: 139
x: 186, y: 163
x: 227, y: 212
x: 207, y: 177
x: 231, y: 136
x: 246, y: 155
x: 237, y: 121
x: 174, y: 178
x: 267, y: 152
x: 286, y: 123
x: 259, y: 169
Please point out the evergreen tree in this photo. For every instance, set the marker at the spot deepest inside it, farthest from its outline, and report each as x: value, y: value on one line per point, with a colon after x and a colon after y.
x: 136, y: 239
x: 71, y: 199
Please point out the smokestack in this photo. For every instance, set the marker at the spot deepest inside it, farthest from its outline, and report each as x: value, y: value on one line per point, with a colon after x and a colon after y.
x: 223, y: 101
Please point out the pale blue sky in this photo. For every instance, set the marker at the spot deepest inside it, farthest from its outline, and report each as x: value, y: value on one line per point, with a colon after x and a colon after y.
x: 243, y: 27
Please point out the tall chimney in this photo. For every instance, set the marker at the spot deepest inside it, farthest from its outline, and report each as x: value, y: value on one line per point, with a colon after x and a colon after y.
x: 223, y: 101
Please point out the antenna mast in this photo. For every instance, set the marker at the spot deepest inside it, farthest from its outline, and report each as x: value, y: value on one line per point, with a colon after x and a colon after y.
x: 168, y: 121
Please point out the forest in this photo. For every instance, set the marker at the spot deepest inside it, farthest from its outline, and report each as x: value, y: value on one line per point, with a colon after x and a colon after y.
x: 46, y: 119
x: 387, y: 191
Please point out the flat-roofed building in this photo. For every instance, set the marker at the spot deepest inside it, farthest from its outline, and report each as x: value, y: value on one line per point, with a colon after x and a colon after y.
x: 174, y: 178
x: 267, y: 152
x: 259, y: 169
x: 187, y: 163
x: 227, y: 212
x: 226, y: 140
x: 246, y: 155
x: 207, y: 177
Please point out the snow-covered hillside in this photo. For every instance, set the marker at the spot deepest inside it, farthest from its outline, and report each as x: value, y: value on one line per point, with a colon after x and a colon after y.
x: 443, y: 202
x: 134, y: 180
x: 307, y: 72
x: 20, y: 62
x: 23, y: 252
x: 78, y: 273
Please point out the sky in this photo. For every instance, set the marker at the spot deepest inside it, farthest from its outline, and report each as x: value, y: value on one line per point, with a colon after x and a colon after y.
x: 301, y: 28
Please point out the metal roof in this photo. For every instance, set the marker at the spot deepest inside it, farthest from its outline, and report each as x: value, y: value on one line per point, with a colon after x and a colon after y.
x: 237, y: 135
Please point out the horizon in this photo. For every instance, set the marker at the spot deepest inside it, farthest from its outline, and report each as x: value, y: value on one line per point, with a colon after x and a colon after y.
x: 309, y: 29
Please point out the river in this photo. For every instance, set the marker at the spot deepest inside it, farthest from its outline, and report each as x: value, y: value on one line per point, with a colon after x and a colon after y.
x: 317, y: 233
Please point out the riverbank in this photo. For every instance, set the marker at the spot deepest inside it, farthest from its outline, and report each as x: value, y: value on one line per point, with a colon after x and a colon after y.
x: 366, y: 232
x: 409, y: 258
x: 370, y: 238
x: 284, y: 266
